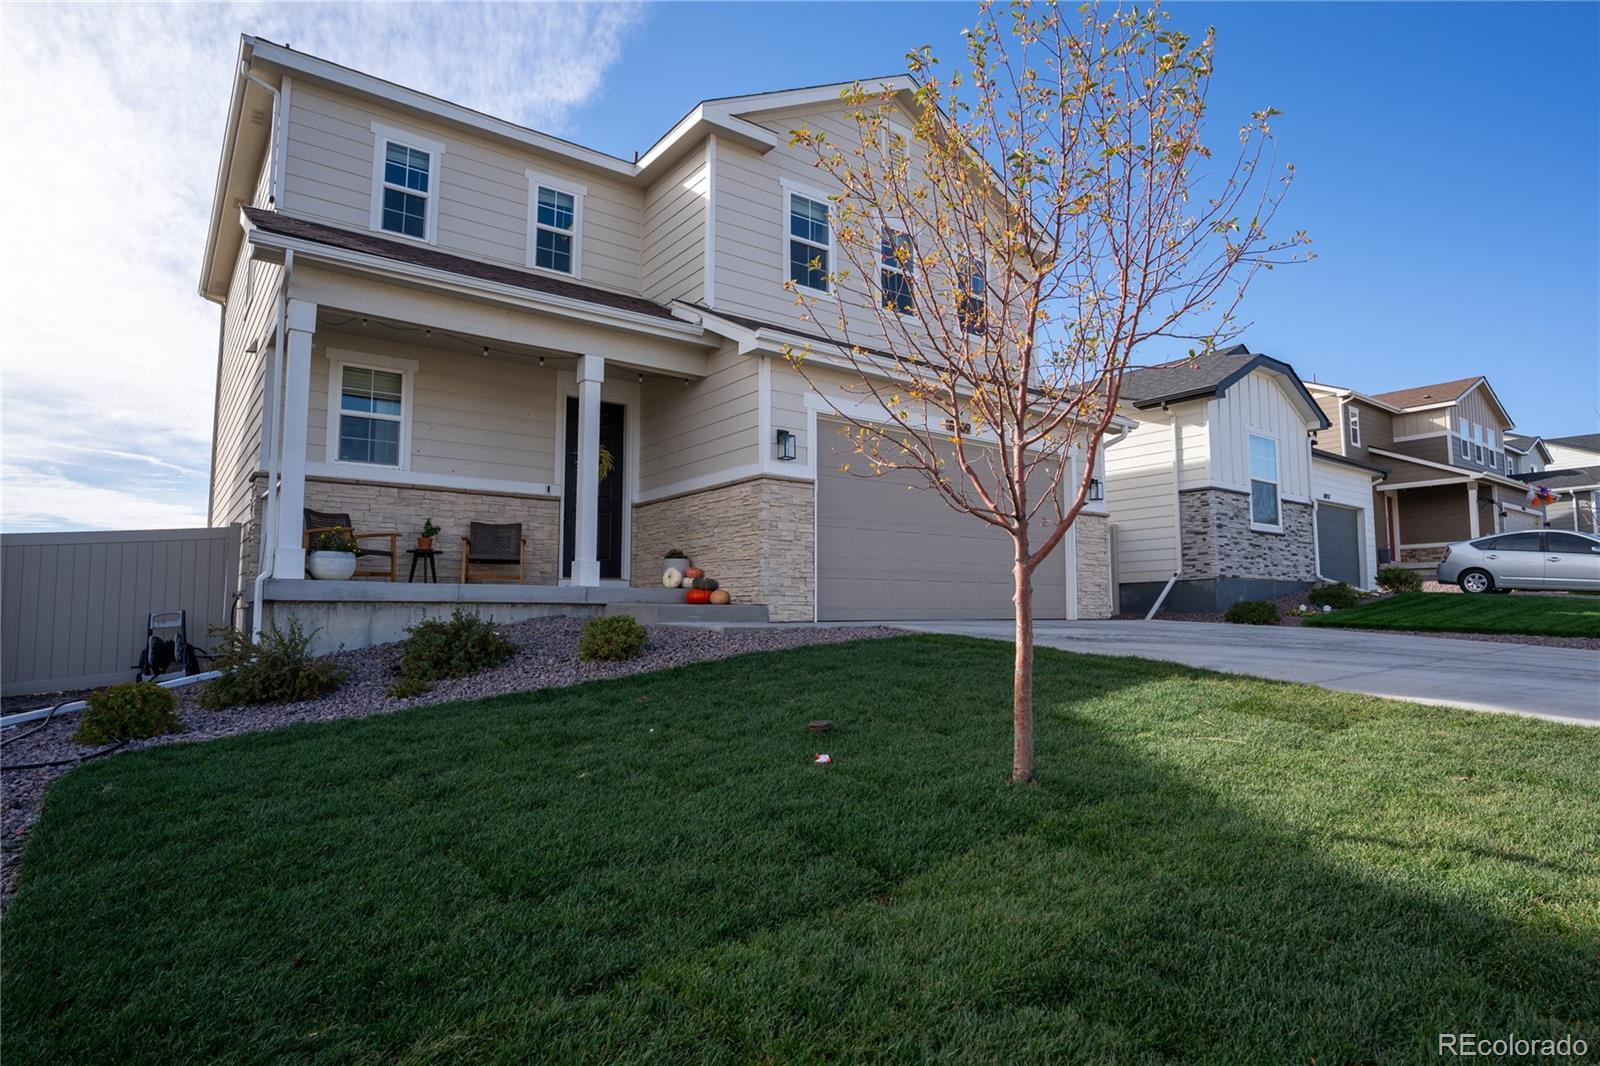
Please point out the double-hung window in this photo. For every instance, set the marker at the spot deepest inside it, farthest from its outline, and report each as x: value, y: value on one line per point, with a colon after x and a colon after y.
x: 1265, y: 509
x: 1477, y: 443
x: 972, y: 300
x: 370, y: 415
x: 1355, y: 427
x: 897, y: 266
x: 555, y: 224
x: 405, y: 183
x: 810, y: 241
x: 1464, y: 439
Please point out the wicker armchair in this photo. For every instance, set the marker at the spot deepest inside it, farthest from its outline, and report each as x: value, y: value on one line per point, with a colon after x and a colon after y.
x: 492, y: 545
x: 328, y: 521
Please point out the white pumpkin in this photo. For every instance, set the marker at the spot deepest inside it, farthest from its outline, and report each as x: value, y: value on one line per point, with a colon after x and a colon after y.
x: 671, y: 578
x: 687, y: 582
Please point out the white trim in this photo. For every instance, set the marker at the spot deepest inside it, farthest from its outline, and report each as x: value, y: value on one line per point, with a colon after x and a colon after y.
x: 791, y: 189
x: 1386, y: 487
x: 1276, y: 482
x: 707, y: 481
x: 338, y: 361
x: 709, y: 285
x: 628, y: 396
x: 423, y: 479
x: 1353, y: 424
x: 1422, y: 436
x: 382, y: 134
x: 577, y: 191
x: 908, y: 271
x: 280, y: 143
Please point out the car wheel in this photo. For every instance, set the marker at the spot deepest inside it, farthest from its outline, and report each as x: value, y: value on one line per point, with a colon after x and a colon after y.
x: 1476, y: 581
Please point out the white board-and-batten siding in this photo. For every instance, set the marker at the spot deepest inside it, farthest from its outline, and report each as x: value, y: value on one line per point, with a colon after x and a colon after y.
x: 1257, y: 404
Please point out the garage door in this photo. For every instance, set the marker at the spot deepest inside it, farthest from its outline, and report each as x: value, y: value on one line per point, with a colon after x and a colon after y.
x: 1516, y: 520
x: 1339, y: 543
x: 887, y: 548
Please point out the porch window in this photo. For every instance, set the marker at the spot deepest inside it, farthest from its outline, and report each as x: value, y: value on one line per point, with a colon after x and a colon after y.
x: 1265, y: 510
x: 1355, y: 427
x: 371, y: 415
x: 405, y: 182
x: 810, y: 242
x: 897, y: 259
x: 555, y: 224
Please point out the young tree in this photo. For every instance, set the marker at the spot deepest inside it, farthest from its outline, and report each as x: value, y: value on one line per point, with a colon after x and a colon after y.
x: 1046, y: 214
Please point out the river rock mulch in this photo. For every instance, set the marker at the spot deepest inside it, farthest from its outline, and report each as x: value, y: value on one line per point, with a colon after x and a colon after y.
x: 546, y: 657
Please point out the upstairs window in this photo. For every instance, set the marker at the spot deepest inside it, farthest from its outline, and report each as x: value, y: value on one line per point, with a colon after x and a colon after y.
x: 1464, y: 439
x: 897, y: 265
x: 371, y: 415
x: 1511, y: 463
x: 810, y: 242
x: 405, y: 184
x: 1491, y: 447
x: 1355, y: 427
x: 555, y: 220
x: 972, y: 303
x: 1265, y: 510
x: 1477, y: 443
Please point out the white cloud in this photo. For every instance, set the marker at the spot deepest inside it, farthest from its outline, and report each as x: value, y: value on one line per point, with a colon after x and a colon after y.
x: 112, y: 119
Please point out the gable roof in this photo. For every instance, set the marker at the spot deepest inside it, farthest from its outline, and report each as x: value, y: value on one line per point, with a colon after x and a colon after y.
x: 1211, y: 375
x: 1522, y: 444
x: 1588, y: 442
x: 1428, y: 395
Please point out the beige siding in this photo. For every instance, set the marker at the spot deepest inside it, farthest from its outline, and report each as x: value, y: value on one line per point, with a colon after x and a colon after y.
x: 675, y: 231
x: 1141, y: 499
x: 1336, y: 483
x: 1259, y: 404
x: 699, y: 431
x: 240, y: 394
x: 471, y: 416
x: 1333, y: 439
x: 1414, y: 423
x: 483, y: 188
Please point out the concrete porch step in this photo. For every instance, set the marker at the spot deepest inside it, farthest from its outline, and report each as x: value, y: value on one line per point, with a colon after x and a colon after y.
x: 666, y: 613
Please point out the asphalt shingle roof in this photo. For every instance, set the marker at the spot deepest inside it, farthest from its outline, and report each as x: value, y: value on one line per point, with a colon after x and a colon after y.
x: 1575, y: 477
x: 1184, y: 377
x: 1589, y: 442
x: 1442, y: 392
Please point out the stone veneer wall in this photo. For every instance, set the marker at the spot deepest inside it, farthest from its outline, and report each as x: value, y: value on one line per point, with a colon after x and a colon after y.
x: 403, y: 508
x: 1094, y: 565
x: 755, y: 536
x: 1218, y: 540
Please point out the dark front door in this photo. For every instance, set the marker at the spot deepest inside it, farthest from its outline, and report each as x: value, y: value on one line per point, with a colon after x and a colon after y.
x: 608, y: 538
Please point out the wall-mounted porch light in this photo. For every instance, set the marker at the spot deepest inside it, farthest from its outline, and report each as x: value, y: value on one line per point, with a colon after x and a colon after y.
x: 1097, y: 489
x: 786, y: 446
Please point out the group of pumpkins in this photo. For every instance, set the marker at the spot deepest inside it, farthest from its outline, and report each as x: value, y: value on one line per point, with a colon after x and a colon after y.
x: 697, y: 588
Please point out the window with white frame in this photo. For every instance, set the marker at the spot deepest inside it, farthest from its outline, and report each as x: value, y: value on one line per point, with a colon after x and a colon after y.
x: 1265, y: 508
x: 810, y: 242
x: 897, y: 266
x: 1491, y: 447
x: 555, y: 224
x: 1511, y: 463
x: 1355, y: 427
x: 972, y: 300
x: 1477, y: 443
x: 405, y: 183
x: 1464, y: 436
x: 370, y: 416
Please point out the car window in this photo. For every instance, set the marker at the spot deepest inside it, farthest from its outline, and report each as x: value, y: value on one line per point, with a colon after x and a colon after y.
x: 1571, y: 542
x: 1514, y: 542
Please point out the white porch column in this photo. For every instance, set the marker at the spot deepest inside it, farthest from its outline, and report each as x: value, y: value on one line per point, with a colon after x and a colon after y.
x: 586, y: 521
x: 1472, y: 508
x: 289, y: 556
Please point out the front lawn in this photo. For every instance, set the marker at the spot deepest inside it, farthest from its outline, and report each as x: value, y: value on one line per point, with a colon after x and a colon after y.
x: 1542, y: 616
x: 1211, y: 869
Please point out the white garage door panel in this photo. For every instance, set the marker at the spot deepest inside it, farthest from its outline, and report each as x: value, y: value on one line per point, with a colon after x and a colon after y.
x: 888, y: 551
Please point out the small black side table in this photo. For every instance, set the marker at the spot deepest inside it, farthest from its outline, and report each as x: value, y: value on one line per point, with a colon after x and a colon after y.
x: 430, y: 568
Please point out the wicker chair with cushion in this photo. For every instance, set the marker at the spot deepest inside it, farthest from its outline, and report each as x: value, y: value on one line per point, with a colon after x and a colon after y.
x: 327, y: 521
x: 492, y: 545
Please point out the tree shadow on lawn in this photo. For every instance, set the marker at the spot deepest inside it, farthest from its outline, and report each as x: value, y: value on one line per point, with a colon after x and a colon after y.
x: 652, y: 868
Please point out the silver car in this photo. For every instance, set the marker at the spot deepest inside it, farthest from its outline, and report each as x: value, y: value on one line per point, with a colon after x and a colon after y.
x: 1532, y: 559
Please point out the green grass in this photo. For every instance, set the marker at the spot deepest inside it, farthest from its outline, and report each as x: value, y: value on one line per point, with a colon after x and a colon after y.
x: 1210, y: 869
x: 1544, y: 616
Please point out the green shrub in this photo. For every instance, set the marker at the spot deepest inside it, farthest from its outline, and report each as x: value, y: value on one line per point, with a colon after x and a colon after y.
x: 334, y: 540
x: 280, y: 669
x: 611, y: 639
x: 133, y: 711
x: 1253, y: 613
x: 1338, y: 596
x: 437, y: 649
x: 1399, y: 579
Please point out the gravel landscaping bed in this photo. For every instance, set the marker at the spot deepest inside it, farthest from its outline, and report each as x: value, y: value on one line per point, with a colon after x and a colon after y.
x: 546, y: 657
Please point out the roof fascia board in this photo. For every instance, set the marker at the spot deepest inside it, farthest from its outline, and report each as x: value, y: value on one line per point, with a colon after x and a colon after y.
x: 703, y: 120
x: 224, y: 166
x: 1483, y: 383
x: 783, y: 99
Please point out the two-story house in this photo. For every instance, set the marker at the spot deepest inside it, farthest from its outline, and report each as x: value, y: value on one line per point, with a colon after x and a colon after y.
x: 1449, y: 461
x: 1570, y: 468
x: 432, y: 313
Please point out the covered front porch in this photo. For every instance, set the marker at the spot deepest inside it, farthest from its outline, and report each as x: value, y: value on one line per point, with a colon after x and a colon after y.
x: 1422, y: 519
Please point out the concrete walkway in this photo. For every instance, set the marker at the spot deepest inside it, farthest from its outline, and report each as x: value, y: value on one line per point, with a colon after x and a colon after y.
x: 1561, y: 684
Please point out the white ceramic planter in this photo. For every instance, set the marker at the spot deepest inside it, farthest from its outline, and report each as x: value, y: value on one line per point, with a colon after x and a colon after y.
x: 331, y: 566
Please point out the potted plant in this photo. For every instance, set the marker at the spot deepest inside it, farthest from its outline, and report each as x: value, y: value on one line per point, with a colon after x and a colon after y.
x: 429, y: 531
x: 332, y: 556
x: 675, y: 560
x: 700, y: 590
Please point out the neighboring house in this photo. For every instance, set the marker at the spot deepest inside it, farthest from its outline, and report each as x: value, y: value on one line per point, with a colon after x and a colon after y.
x: 1219, y: 494
x: 1580, y: 450
x: 1446, y: 451
x: 433, y: 313
x: 1571, y: 470
x: 1527, y: 455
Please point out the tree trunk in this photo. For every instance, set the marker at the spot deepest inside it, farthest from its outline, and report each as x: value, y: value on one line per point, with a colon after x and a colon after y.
x: 1022, y: 678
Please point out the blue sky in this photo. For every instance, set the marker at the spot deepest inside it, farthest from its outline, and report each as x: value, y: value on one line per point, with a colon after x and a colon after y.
x: 1448, y: 159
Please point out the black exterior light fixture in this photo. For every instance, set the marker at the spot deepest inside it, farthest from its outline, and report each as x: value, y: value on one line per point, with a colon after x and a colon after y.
x: 1097, y: 489
x: 785, y: 446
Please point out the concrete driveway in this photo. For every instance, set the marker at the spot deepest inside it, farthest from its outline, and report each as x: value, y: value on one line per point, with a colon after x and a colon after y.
x: 1561, y: 684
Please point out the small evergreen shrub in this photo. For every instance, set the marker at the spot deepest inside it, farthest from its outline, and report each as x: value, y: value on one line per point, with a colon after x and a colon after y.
x: 133, y: 711
x: 280, y: 669
x: 1338, y: 596
x: 438, y: 648
x: 612, y: 639
x: 1253, y: 613
x: 1399, y: 579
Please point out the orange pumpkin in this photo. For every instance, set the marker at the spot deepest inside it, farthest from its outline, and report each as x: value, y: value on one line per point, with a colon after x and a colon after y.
x: 697, y: 596
x: 693, y: 572
x: 720, y: 597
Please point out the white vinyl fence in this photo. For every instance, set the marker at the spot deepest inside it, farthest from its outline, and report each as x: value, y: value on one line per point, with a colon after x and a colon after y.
x: 74, y: 606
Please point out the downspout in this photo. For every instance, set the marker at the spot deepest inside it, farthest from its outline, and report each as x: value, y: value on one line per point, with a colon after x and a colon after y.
x: 269, y: 424
x: 277, y: 124
x: 1177, y: 518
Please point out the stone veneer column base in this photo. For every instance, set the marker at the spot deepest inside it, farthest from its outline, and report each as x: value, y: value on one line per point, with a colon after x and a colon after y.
x: 756, y: 537
x: 1093, y: 532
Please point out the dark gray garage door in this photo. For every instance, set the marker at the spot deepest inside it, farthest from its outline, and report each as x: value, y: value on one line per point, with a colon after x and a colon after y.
x: 887, y: 549
x: 1339, y: 543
